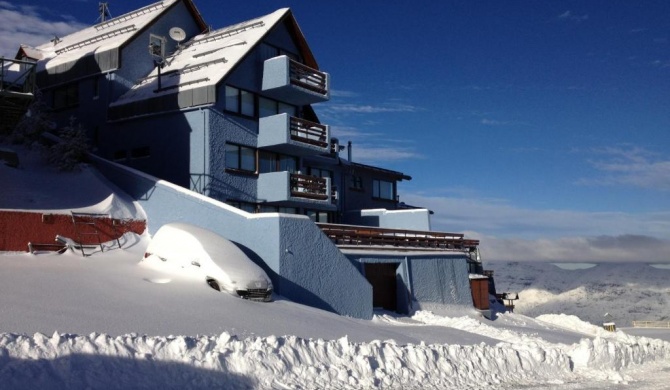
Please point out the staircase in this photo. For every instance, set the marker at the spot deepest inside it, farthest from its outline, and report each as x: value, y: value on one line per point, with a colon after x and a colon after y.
x: 17, y: 87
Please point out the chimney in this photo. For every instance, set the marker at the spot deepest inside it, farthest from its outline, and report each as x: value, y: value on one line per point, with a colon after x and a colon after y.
x: 349, y: 151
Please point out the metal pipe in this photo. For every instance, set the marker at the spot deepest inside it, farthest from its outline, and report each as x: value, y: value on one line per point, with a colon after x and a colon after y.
x: 349, y: 151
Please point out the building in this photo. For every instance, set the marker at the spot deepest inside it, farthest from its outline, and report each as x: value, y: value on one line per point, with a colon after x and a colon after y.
x: 228, y: 113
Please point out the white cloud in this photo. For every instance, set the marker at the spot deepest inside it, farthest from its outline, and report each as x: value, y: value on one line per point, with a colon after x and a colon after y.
x: 630, y: 166
x: 25, y: 25
x: 342, y: 93
x: 508, y: 232
x: 499, y: 218
x: 369, y: 109
x: 380, y: 154
x: 568, y: 15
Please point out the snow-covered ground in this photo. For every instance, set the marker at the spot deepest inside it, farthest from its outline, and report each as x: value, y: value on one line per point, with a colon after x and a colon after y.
x: 114, y: 320
x: 634, y: 291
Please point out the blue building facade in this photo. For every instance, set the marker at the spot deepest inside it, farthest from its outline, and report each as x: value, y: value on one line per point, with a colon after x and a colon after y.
x: 228, y: 114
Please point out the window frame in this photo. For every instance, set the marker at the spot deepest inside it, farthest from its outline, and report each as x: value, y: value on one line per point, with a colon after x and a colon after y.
x: 239, y: 165
x: 238, y: 97
x: 377, y: 190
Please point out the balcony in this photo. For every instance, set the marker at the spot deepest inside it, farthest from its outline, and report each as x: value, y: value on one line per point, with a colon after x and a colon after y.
x: 286, y: 134
x: 294, y: 83
x: 294, y: 189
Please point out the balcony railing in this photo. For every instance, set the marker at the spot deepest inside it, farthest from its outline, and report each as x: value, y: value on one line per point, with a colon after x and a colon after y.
x: 311, y: 187
x: 308, y: 78
x: 294, y: 136
x: 290, y: 81
x: 309, y: 132
x: 351, y: 235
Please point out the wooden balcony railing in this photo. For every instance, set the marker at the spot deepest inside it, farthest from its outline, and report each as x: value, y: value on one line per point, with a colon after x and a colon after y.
x: 309, y: 132
x: 350, y: 235
x: 308, y: 78
x: 311, y: 187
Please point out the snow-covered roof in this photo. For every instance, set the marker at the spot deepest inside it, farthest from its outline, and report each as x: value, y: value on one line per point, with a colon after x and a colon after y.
x: 98, y: 38
x: 204, y: 60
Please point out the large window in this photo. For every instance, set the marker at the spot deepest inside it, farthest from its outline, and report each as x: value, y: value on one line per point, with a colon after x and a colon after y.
x: 240, y: 101
x: 240, y: 158
x: 269, y: 107
x: 66, y: 96
x: 274, y: 162
x: 383, y: 189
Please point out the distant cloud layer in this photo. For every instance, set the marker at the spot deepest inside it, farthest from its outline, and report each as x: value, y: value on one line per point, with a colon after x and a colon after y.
x: 514, y: 233
x: 624, y: 248
x: 21, y: 24
x: 630, y: 166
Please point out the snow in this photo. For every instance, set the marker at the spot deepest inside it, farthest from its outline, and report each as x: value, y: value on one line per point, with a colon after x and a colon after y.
x: 633, y: 291
x: 98, y: 38
x: 38, y: 188
x: 111, y: 321
x: 203, y: 60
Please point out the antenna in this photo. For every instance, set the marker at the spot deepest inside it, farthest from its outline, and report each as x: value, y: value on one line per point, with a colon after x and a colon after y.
x: 177, y: 34
x: 103, y: 9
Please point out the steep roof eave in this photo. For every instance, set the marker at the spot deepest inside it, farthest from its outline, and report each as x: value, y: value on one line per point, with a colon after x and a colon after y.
x: 199, y: 20
x: 305, y: 51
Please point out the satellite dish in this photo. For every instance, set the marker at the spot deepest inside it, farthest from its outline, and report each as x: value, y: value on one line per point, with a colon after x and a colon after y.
x: 178, y: 34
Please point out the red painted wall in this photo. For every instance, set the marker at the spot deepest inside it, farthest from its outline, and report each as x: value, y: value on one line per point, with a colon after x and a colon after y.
x: 18, y: 228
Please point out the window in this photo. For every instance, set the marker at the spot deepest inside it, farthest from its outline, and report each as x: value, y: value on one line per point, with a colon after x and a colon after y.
x: 66, y: 96
x: 275, y: 209
x: 318, y: 216
x: 269, y: 107
x: 274, y: 162
x: 240, y: 101
x: 356, y: 182
x: 382, y: 189
x: 240, y: 158
x: 318, y: 172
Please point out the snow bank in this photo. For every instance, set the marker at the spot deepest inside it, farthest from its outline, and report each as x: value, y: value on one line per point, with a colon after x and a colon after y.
x: 65, y: 361
x: 290, y: 362
x: 609, y: 351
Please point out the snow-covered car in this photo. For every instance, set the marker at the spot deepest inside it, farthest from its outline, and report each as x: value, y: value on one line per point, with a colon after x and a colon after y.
x: 219, y: 261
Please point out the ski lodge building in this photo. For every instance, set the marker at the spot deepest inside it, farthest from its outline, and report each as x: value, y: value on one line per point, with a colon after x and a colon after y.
x: 216, y: 127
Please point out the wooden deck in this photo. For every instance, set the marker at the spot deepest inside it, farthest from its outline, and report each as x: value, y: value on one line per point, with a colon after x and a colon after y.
x: 357, y: 236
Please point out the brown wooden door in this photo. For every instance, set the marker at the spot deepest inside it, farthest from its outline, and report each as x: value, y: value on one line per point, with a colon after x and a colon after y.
x: 382, y: 277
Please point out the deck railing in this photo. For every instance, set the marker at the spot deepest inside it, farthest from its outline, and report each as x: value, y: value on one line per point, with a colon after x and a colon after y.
x: 312, y: 187
x: 351, y: 235
x: 309, y: 132
x: 303, y: 76
x: 22, y: 80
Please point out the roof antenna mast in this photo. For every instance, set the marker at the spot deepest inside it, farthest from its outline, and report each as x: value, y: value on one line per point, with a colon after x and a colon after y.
x: 103, y: 9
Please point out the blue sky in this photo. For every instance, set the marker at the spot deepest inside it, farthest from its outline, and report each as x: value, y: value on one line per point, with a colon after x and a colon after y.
x: 542, y: 128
